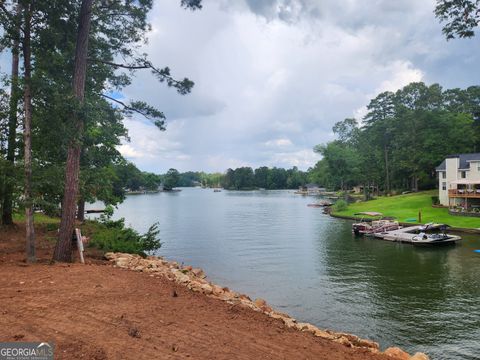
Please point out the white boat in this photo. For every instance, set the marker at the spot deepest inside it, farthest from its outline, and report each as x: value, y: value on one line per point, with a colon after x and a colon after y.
x: 378, y: 225
x: 424, y: 239
x: 438, y: 237
x: 418, y: 235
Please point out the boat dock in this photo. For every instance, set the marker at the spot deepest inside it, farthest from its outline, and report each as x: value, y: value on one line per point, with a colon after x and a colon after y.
x: 410, y: 235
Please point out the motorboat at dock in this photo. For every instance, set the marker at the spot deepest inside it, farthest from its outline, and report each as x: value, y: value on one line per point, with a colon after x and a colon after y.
x: 375, y: 224
x: 423, y: 235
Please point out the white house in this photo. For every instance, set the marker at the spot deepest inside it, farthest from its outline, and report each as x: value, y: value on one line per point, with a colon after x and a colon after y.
x: 459, y: 181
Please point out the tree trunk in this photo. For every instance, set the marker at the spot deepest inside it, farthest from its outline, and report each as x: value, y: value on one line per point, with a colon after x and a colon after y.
x: 415, y: 183
x: 387, y: 171
x: 27, y: 136
x: 81, y: 210
x: 63, y: 248
x: 7, y: 218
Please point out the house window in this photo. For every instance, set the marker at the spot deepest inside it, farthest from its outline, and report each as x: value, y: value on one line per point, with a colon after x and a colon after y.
x: 444, y: 174
x: 463, y: 174
x: 444, y: 186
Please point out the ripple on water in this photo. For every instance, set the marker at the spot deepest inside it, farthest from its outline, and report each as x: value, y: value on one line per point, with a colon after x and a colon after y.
x: 271, y: 245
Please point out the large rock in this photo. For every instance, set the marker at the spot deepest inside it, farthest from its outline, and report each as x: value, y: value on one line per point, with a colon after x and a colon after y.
x: 260, y: 302
x: 198, y: 272
x: 302, y: 326
x: 397, y: 353
x: 151, y: 264
x: 323, y: 334
x: 290, y: 323
x: 122, y: 262
x: 367, y: 344
x: 110, y: 255
x: 419, y: 356
x: 206, y: 289
x: 180, y: 277
x: 195, y: 286
x: 217, y: 290
x: 343, y: 340
x: 266, y: 309
x: 244, y: 297
x: 226, y: 296
x: 311, y: 328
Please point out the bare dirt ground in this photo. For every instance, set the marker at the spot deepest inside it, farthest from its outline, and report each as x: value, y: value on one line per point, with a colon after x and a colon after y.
x: 96, y: 311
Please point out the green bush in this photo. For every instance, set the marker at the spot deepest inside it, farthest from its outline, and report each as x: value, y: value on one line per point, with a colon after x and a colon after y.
x: 435, y: 200
x: 340, y: 205
x: 109, y: 235
x: 51, y: 226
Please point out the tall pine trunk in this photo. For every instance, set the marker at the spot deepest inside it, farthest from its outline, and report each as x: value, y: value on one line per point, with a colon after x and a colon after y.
x: 81, y: 210
x: 7, y: 207
x: 27, y: 135
x: 63, y: 248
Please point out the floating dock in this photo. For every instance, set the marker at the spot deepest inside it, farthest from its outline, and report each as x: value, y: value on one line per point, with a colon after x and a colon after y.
x: 410, y: 235
x: 404, y: 234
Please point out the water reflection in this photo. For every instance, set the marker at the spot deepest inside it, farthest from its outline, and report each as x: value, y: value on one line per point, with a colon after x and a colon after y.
x: 418, y: 296
x: 269, y: 244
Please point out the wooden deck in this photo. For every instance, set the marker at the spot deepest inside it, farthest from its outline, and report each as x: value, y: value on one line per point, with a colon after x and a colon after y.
x: 459, y: 193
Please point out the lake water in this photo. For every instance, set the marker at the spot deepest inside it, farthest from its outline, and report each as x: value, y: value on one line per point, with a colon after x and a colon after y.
x: 269, y: 244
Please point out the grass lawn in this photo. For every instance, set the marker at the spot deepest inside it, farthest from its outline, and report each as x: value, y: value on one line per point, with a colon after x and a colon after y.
x: 407, y: 206
x: 38, y: 218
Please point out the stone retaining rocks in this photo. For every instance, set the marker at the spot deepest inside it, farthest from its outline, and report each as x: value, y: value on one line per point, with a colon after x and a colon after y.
x: 419, y: 356
x: 194, y: 279
x: 397, y: 353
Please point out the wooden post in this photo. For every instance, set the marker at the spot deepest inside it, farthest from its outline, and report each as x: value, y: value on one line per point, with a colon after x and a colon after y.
x: 420, y: 215
x: 78, y: 235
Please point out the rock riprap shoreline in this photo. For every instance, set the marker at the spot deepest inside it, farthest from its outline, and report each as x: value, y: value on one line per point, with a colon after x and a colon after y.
x: 195, y: 280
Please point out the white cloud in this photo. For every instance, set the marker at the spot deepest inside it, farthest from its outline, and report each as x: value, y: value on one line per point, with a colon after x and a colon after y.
x: 279, y: 143
x: 130, y: 152
x: 403, y: 73
x: 400, y: 73
x: 272, y: 77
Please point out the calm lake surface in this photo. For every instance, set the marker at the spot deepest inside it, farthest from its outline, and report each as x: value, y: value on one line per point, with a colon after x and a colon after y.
x: 269, y: 244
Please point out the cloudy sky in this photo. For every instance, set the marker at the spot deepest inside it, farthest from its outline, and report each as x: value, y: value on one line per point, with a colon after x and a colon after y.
x: 273, y: 76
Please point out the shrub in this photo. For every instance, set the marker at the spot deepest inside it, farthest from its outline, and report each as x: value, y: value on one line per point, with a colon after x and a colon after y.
x: 340, y: 205
x: 435, y: 200
x: 51, y: 226
x: 110, y: 235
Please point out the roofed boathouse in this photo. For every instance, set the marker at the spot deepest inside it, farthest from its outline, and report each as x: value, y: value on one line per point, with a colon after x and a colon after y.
x: 459, y: 183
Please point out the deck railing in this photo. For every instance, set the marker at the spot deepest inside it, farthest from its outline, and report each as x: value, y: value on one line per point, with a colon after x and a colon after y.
x: 464, y: 193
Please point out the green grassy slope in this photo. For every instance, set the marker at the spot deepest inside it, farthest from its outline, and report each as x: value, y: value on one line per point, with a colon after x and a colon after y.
x: 38, y: 218
x: 407, y: 206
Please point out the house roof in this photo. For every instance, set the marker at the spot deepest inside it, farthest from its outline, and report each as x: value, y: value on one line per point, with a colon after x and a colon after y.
x: 464, y: 160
